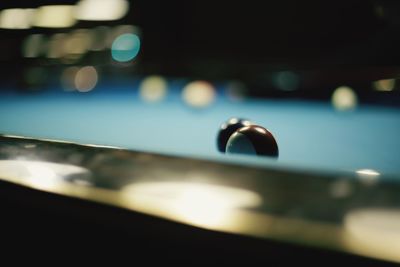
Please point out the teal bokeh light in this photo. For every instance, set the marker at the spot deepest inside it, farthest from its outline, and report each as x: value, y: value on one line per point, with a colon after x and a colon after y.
x: 125, y: 47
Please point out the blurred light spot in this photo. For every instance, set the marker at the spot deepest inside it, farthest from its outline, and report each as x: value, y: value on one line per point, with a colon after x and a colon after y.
x: 379, y: 11
x: 56, y: 46
x: 153, y: 89
x: 35, y: 77
x: 368, y: 176
x: 201, y: 204
x: 68, y: 78
x: 16, y: 18
x: 198, y: 94
x: 287, y: 81
x: 341, y: 189
x: 101, y: 10
x: 374, y: 229
x: 384, y: 85
x: 100, y: 38
x: 76, y: 44
x: 236, y: 91
x: 37, y: 174
x: 86, y: 79
x: 54, y: 16
x: 125, y: 47
x: 344, y: 98
x: 33, y: 45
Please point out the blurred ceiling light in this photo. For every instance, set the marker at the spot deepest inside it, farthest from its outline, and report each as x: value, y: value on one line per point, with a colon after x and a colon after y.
x: 35, y: 76
x: 344, y: 98
x: 54, y: 16
x: 384, y: 85
x: 76, y: 44
x: 68, y: 78
x: 55, y: 47
x: 198, y: 94
x: 236, y: 91
x: 287, y: 81
x: 33, y: 45
x: 125, y: 47
x: 120, y: 30
x: 16, y: 18
x: 101, y: 10
x: 86, y: 79
x: 153, y: 88
x: 100, y: 38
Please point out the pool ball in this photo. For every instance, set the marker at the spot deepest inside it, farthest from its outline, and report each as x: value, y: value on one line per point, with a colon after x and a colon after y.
x: 227, y: 129
x: 253, y: 140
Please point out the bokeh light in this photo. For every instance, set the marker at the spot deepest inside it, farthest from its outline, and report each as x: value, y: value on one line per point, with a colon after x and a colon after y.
x: 16, y: 18
x: 198, y: 94
x: 35, y: 77
x: 76, y: 44
x: 101, y: 10
x: 236, y: 91
x: 33, y: 45
x: 384, y: 85
x: 125, y: 47
x: 344, y: 99
x: 68, y: 78
x: 287, y: 81
x: 55, y: 47
x: 153, y: 88
x: 86, y: 79
x: 100, y: 38
x: 54, y: 16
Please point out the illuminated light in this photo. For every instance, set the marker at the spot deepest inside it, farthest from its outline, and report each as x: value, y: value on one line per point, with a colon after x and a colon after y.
x: 33, y: 45
x: 236, y: 91
x: 86, y: 79
x: 341, y: 189
x: 68, y: 78
x: 344, y: 98
x: 198, y: 94
x: 376, y: 230
x: 368, y: 176
x: 200, y: 204
x: 56, y: 46
x: 153, y: 89
x: 54, y: 16
x: 125, y: 47
x: 16, y: 18
x: 287, y: 81
x: 38, y: 174
x: 101, y: 10
x: 35, y: 76
x: 384, y: 85
x: 100, y: 38
x: 76, y: 44
x: 379, y: 11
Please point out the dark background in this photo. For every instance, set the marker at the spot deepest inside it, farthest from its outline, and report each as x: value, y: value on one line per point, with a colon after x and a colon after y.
x: 324, y: 42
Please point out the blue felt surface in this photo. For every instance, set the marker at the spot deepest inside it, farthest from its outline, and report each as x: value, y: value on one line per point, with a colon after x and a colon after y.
x: 311, y: 135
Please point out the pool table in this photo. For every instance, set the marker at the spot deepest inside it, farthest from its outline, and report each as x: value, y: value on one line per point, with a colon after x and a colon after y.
x: 333, y: 192
x: 110, y: 111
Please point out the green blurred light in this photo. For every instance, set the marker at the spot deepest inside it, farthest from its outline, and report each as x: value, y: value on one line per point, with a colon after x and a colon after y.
x: 125, y: 47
